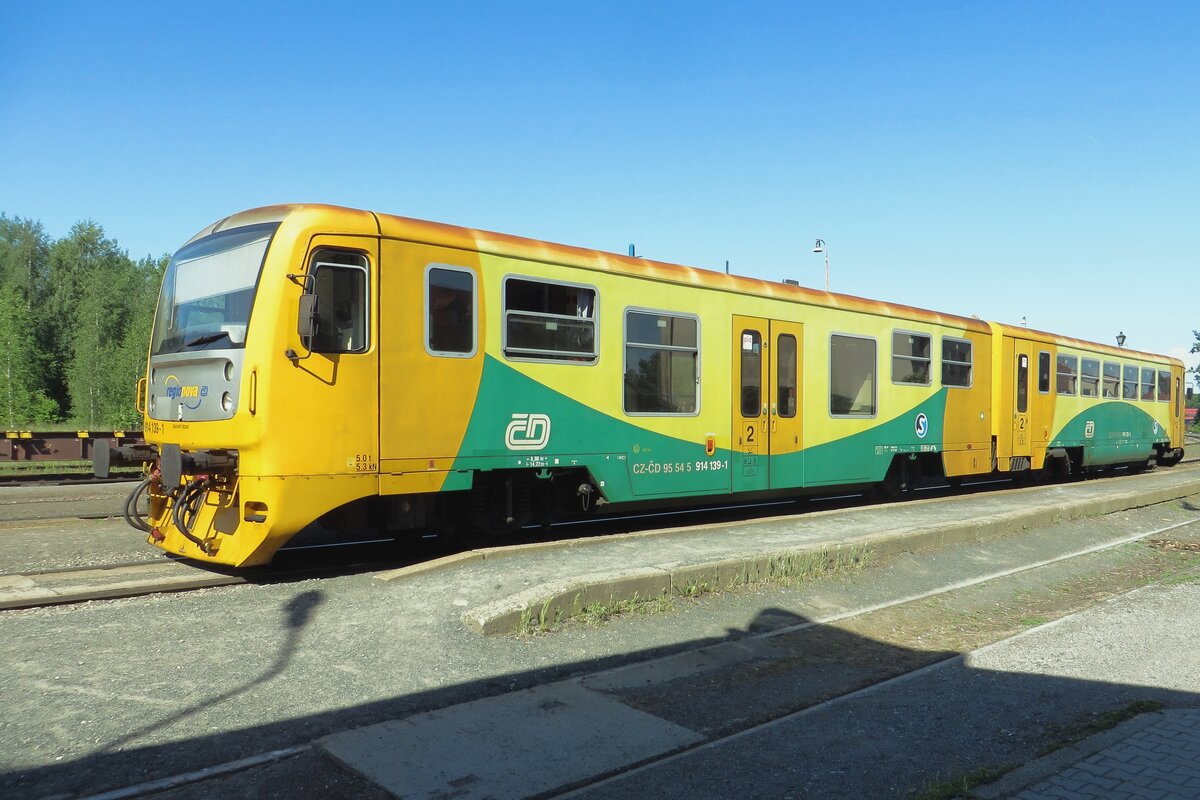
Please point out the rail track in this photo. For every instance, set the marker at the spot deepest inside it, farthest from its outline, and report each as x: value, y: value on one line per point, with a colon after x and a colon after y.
x: 61, y: 586
x: 69, y: 585
x: 37, y: 478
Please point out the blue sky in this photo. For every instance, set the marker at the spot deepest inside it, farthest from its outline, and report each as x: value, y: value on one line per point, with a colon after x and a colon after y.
x: 1008, y: 159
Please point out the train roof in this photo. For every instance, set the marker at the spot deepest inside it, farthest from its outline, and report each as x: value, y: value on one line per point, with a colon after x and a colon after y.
x: 1044, y: 337
x: 534, y: 250
x: 338, y: 219
x: 356, y: 221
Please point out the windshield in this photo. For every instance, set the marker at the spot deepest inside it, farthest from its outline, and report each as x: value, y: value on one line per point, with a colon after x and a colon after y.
x: 208, y: 291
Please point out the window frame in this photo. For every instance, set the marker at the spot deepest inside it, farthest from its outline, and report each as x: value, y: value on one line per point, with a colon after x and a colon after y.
x: 316, y: 263
x: 1089, y: 377
x: 1164, y: 375
x: 1022, y: 377
x: 795, y: 386
x: 429, y: 268
x: 625, y: 345
x: 1060, y: 357
x: 1104, y: 379
x: 970, y: 364
x: 1130, y: 389
x: 928, y: 361
x: 756, y: 374
x: 554, y: 356
x: 1048, y: 356
x: 874, y: 376
x: 1151, y: 384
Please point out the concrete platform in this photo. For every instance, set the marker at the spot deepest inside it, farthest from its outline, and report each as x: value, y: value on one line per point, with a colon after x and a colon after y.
x: 676, y: 561
x: 509, y: 747
x: 544, y: 741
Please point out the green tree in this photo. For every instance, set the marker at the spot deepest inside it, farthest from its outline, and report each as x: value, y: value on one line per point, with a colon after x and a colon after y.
x: 24, y: 256
x: 81, y: 316
x: 1196, y: 349
x: 107, y: 352
x: 22, y: 399
x: 24, y: 269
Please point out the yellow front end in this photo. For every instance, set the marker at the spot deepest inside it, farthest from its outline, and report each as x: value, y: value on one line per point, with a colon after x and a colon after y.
x: 260, y: 431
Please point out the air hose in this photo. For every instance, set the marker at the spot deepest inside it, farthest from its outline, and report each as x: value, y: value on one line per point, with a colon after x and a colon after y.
x: 185, y: 505
x: 132, y: 515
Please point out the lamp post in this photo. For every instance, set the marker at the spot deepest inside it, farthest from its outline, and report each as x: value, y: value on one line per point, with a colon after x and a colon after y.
x: 820, y: 247
x: 1121, y: 339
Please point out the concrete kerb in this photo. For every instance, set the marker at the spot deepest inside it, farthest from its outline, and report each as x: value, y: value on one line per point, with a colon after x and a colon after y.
x: 551, y: 603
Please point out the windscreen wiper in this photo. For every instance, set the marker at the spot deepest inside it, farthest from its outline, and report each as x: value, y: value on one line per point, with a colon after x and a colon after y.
x: 209, y: 338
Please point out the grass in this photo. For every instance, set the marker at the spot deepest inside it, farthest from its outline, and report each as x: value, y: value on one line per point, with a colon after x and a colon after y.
x: 548, y: 617
x: 961, y: 785
x: 803, y: 567
x: 788, y: 571
x: 1098, y: 723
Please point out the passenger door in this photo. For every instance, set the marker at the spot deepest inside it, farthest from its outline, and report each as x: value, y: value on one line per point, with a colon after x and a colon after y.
x: 767, y: 395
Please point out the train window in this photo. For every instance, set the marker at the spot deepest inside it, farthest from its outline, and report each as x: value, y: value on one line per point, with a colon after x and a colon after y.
x: 1147, y: 383
x: 751, y: 368
x: 786, y: 375
x: 1044, y: 372
x: 1164, y: 386
x: 1089, y: 378
x: 549, y: 321
x: 911, y: 357
x: 339, y: 280
x: 851, y: 376
x: 956, y: 362
x: 662, y: 363
x: 1022, y: 383
x: 1129, y: 385
x: 1112, y: 379
x: 450, y: 311
x: 1067, y: 378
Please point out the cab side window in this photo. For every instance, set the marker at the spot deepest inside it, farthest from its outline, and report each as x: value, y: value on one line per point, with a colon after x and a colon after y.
x: 450, y: 311
x: 339, y: 280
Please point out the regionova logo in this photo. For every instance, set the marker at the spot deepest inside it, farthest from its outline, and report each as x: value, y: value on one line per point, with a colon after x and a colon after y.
x: 190, y: 396
x: 527, y: 432
x: 922, y: 426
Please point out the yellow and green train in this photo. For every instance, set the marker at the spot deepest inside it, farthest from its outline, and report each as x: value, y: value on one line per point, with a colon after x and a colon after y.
x: 313, y: 363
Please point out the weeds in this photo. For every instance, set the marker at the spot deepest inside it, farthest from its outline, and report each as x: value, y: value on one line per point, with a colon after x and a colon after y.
x: 788, y: 571
x: 961, y: 785
x: 803, y: 567
x: 1098, y: 723
x: 550, y: 617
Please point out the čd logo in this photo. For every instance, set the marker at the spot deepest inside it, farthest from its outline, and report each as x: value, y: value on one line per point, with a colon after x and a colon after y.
x: 527, y: 432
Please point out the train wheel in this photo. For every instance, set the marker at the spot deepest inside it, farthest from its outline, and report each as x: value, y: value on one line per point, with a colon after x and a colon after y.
x: 897, y: 483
